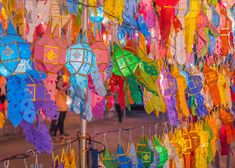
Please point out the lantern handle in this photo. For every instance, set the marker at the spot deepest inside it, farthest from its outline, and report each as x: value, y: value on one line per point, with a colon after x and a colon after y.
x: 105, y: 141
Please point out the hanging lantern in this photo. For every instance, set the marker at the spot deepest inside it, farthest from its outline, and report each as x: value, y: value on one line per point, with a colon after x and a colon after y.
x: 169, y: 88
x: 136, y: 162
x: 211, y: 78
x: 146, y: 9
x: 50, y: 51
x: 80, y: 58
x: 15, y: 52
x: 81, y: 62
x: 101, y: 52
x: 194, y: 87
x: 108, y: 160
x: 163, y: 153
x: 121, y: 159
x: 124, y: 62
x: 144, y: 152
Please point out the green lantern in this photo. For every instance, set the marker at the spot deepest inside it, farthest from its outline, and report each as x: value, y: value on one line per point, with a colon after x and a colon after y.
x: 108, y: 160
x: 124, y: 62
x: 162, y: 151
x: 144, y: 152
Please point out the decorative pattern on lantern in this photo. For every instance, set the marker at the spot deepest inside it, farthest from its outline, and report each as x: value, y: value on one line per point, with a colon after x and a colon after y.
x: 211, y: 78
x: 194, y: 84
x: 124, y: 62
x: 15, y: 52
x: 169, y: 87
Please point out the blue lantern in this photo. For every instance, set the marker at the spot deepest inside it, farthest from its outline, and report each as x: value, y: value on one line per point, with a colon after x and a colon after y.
x: 81, y: 62
x: 15, y: 52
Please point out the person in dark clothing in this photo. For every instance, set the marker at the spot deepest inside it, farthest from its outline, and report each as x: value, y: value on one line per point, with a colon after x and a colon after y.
x: 118, y: 108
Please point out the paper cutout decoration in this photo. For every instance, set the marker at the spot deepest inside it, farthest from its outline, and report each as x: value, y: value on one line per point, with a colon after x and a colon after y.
x: 124, y: 62
x: 72, y: 6
x: 190, y: 25
x: 181, y: 103
x: 15, y: 52
x: 144, y: 152
x: 167, y: 13
x: 114, y: 8
x: 97, y: 16
x: 146, y: 9
x: 136, y: 162
x: 58, y: 15
x: 38, y: 136
x: 156, y: 155
x: 108, y: 160
x: 121, y: 159
x: 50, y: 51
x: 116, y: 84
x: 169, y: 89
x: 101, y: 52
x: 211, y: 78
x: 134, y: 89
x: 194, y: 84
x: 226, y: 34
x: 162, y: 151
x: 20, y: 105
x: 204, y: 30
x: 40, y: 95
x: 129, y: 13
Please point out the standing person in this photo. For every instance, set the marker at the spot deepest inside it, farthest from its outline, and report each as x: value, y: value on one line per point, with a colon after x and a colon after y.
x: 60, y: 100
x: 118, y: 108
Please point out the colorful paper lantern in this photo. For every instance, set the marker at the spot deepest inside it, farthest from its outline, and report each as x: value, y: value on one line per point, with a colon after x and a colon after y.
x: 50, y: 52
x: 80, y: 58
x: 121, y: 159
x: 194, y: 88
x: 162, y: 151
x: 211, y: 78
x: 101, y: 52
x: 169, y: 89
x: 132, y: 155
x: 124, y: 62
x: 144, y: 152
x: 15, y: 52
x: 146, y: 9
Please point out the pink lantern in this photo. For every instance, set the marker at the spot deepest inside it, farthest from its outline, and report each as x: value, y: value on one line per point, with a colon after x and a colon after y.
x: 50, y: 52
x: 101, y: 52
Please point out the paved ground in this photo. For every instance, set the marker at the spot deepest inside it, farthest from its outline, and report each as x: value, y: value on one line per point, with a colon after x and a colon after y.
x: 16, y: 144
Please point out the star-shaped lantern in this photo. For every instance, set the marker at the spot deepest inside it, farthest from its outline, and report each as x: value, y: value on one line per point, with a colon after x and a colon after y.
x: 124, y: 62
x: 50, y: 51
x: 15, y: 52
